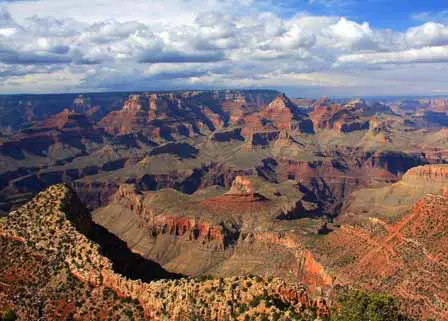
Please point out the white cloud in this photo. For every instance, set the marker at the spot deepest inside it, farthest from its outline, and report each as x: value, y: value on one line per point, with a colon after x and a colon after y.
x: 430, y: 33
x: 7, y: 32
x: 420, y: 55
x: 166, y: 12
x: 351, y: 35
x: 138, y: 44
x: 295, y: 37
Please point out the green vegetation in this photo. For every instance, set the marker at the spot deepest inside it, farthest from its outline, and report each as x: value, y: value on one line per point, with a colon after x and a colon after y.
x: 362, y: 306
x: 129, y: 314
x: 9, y: 315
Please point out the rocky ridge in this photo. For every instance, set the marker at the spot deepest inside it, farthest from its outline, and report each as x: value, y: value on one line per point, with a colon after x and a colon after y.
x: 54, y: 225
x: 396, y: 244
x: 218, y: 228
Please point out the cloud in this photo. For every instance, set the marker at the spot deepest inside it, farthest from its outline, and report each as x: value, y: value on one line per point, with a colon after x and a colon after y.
x: 227, y: 43
x: 179, y: 57
x: 6, y: 20
x: 430, y: 33
x: 53, y: 27
x: 294, y: 37
x: 351, y: 35
x: 11, y: 57
x: 422, y: 55
x: 10, y: 1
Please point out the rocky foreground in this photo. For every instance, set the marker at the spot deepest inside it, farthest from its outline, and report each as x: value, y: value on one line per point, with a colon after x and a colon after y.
x: 52, y: 270
x: 59, y: 265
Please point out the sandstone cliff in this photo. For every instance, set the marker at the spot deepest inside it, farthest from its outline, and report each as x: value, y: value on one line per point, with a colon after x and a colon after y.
x: 228, y: 233
x: 55, y: 225
x: 396, y: 242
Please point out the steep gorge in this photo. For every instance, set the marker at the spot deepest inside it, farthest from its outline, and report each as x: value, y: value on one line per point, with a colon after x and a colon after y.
x: 54, y: 226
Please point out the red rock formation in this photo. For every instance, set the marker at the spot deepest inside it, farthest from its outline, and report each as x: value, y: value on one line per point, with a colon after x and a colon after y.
x: 181, y: 226
x: 242, y: 186
x: 63, y: 129
x: 405, y: 257
x: 308, y: 270
x: 137, y: 114
x: 429, y: 174
x: 438, y: 105
x: 162, y: 115
x: 136, y: 103
x: 280, y: 115
x: 67, y: 120
x: 342, y: 118
x: 174, y: 225
x: 214, y: 224
x: 281, y: 112
x: 227, y: 136
x: 62, y: 243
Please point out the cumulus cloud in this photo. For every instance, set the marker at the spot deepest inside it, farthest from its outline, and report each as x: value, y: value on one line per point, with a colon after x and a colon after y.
x: 351, y: 35
x: 225, y: 43
x: 430, y: 33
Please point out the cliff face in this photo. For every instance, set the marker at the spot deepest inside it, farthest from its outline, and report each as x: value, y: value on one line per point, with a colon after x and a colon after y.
x: 67, y: 120
x: 194, y: 229
x: 395, y: 243
x: 344, y: 170
x: 54, y: 225
x: 391, y: 202
x: 224, y: 232
x: 434, y: 174
x: 280, y: 115
x: 196, y: 139
x: 73, y: 130
x: 285, y: 115
x: 346, y: 118
x: 187, y: 114
x: 308, y: 270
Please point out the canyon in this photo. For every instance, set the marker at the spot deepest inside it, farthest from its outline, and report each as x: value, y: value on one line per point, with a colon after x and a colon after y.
x: 55, y: 232
x: 318, y: 195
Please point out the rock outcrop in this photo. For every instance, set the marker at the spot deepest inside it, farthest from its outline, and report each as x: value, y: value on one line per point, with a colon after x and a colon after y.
x: 430, y: 174
x: 55, y: 226
x: 391, y: 202
x: 395, y: 243
x: 346, y: 118
x: 280, y: 115
x: 219, y: 229
x: 183, y: 114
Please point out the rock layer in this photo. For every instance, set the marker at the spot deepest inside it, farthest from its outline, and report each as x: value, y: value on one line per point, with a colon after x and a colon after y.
x: 55, y: 225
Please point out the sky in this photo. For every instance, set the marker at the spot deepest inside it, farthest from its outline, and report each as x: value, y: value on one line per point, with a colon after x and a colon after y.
x: 307, y: 48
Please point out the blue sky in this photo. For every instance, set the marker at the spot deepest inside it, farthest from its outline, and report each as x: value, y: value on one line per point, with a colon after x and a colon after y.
x: 397, y: 15
x: 307, y: 47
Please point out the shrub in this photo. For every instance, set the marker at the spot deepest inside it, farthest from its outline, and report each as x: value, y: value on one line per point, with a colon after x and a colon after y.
x: 242, y: 308
x: 362, y: 306
x: 255, y: 301
x: 9, y: 315
x: 128, y: 314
